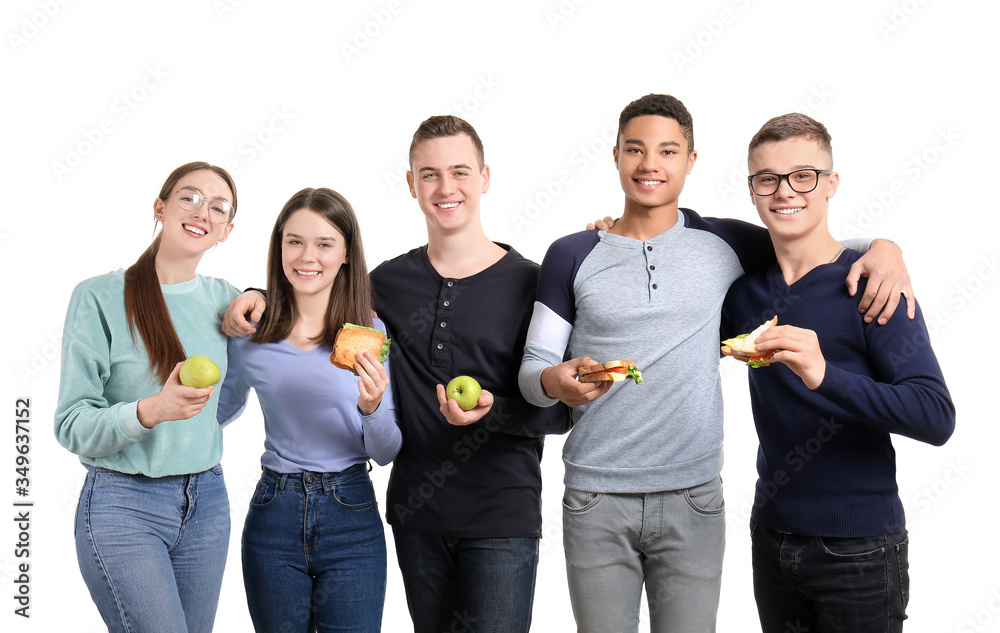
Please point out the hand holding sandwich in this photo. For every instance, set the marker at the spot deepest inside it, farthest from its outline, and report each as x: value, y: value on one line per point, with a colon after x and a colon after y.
x: 454, y: 413
x: 797, y: 348
x: 373, y: 383
x: 560, y: 382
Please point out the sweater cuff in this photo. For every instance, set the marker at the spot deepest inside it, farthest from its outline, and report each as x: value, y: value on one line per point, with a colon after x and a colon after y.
x: 128, y: 421
x: 836, y: 383
x: 377, y: 416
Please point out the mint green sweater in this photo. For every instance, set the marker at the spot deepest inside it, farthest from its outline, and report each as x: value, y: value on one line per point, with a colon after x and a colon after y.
x: 104, y: 374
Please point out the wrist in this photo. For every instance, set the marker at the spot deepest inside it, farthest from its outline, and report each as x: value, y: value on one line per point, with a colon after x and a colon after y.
x: 544, y: 379
x: 368, y: 408
x: 146, y: 412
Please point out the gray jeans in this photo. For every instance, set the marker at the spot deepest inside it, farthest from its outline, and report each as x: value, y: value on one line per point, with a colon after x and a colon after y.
x: 671, y: 540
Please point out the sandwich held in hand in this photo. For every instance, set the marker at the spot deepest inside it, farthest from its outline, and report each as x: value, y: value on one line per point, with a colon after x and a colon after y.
x: 743, y: 347
x: 616, y: 370
x: 199, y: 372
x: 357, y: 339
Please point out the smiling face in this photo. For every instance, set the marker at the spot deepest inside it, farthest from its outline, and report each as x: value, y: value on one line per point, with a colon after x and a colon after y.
x: 192, y: 232
x: 653, y: 162
x: 786, y: 213
x: 447, y: 181
x: 312, y: 252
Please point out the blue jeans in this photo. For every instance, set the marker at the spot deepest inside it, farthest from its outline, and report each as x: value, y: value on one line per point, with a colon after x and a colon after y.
x: 833, y: 585
x: 314, y: 553
x: 467, y: 585
x: 671, y: 541
x: 152, y: 550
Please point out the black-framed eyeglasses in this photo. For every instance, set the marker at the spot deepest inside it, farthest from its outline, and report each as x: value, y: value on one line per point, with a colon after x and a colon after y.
x: 220, y: 210
x: 801, y: 181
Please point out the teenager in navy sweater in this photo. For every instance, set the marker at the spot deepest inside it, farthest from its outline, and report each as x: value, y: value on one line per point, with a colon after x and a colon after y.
x: 828, y: 530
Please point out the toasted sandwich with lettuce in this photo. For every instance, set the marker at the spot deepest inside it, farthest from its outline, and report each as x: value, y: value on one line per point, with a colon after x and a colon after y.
x: 743, y: 347
x: 357, y: 339
x: 616, y: 370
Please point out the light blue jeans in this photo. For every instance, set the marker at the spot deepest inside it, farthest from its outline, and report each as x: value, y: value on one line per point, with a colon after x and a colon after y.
x: 152, y: 550
x: 671, y: 541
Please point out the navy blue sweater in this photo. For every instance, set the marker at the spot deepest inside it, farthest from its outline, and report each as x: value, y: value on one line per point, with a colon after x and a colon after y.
x: 826, y: 465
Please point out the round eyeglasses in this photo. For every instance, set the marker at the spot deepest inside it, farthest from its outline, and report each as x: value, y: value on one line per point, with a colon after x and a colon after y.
x: 801, y: 181
x: 220, y: 210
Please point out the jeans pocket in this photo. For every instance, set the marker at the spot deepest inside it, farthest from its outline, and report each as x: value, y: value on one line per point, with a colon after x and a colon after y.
x: 580, y: 501
x: 854, y: 548
x: 706, y: 498
x: 264, y: 495
x: 355, y: 493
x: 903, y: 569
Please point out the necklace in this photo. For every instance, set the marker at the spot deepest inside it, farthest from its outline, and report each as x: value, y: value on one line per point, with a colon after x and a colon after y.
x: 836, y: 255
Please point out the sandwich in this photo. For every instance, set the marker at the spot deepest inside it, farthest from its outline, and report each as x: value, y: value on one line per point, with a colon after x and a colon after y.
x: 743, y: 347
x: 357, y: 339
x: 616, y: 370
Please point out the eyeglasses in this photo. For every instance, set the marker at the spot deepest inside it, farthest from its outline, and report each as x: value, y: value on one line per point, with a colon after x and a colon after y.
x: 801, y: 181
x: 220, y: 210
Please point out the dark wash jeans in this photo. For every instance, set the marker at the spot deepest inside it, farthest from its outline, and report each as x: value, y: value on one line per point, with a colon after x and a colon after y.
x: 314, y: 556
x: 829, y: 585
x: 467, y: 585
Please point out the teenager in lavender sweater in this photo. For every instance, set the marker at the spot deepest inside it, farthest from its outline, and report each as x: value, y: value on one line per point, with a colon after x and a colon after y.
x: 314, y: 555
x: 828, y: 530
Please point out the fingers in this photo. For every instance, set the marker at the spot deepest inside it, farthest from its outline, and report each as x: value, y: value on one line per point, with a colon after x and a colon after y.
x: 853, y: 277
x: 456, y: 416
x: 486, y: 399
x: 174, y: 377
x: 372, y: 382
x: 442, y: 398
x: 911, y: 301
x: 603, y: 225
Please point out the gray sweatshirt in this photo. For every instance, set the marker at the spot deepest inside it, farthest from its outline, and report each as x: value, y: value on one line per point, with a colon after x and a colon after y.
x: 658, y: 303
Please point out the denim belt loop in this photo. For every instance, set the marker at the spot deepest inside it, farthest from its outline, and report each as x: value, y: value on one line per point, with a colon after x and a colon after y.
x: 282, y: 479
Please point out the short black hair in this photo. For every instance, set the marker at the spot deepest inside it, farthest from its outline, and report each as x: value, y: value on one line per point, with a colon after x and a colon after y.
x: 659, y: 105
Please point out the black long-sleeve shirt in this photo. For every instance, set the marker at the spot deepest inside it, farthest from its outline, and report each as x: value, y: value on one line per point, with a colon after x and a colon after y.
x: 482, y: 480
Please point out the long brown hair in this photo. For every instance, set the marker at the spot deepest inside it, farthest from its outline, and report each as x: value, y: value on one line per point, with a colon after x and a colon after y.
x: 145, y: 307
x: 351, y: 296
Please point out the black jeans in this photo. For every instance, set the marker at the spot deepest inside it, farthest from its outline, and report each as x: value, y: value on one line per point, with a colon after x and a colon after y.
x: 829, y: 585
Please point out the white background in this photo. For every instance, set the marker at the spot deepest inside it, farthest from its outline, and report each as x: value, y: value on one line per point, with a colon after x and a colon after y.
x: 102, y: 99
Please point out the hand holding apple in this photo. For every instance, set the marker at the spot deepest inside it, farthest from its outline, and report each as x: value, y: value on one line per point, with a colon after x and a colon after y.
x: 455, y: 414
x: 175, y: 401
x: 464, y: 390
x: 199, y: 372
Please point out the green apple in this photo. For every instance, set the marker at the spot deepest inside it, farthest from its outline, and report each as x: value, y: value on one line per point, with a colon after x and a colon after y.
x: 465, y: 391
x: 199, y: 372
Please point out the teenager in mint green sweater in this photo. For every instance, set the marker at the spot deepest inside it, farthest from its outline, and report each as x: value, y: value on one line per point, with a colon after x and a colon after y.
x: 152, y: 526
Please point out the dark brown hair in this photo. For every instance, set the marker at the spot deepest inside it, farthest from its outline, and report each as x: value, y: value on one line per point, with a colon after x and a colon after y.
x: 447, y: 125
x: 790, y: 126
x: 665, y: 106
x: 351, y: 295
x: 145, y: 307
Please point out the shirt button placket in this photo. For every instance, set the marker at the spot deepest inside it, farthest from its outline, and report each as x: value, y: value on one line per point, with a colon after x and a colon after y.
x: 443, y: 314
x: 653, y: 275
